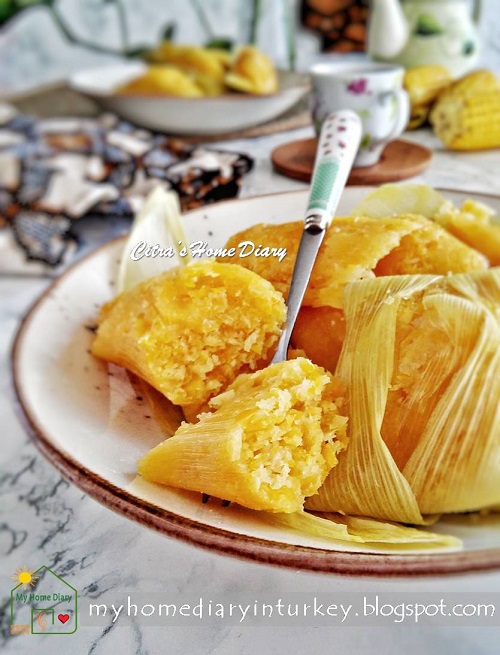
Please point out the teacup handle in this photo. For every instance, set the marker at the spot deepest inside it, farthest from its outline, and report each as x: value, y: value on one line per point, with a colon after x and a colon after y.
x: 403, y: 116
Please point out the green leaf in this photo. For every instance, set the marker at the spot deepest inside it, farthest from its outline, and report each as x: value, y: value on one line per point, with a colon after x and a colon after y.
x: 220, y: 43
x: 168, y: 32
x: 138, y: 52
x: 365, y: 141
x: 427, y: 25
x: 10, y: 8
x: 468, y: 48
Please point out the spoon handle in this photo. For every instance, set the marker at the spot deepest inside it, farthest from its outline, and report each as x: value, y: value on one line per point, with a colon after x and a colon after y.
x: 338, y: 144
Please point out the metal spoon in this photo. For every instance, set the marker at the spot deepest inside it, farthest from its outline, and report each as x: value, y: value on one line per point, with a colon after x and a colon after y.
x: 338, y: 144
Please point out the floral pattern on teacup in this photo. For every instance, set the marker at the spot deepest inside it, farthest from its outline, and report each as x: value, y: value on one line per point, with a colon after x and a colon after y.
x: 358, y: 87
x: 365, y: 142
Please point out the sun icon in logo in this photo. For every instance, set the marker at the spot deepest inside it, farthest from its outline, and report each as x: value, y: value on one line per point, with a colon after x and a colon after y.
x: 25, y: 577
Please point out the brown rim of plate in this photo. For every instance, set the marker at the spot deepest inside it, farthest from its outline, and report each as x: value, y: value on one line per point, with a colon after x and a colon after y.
x: 216, y: 539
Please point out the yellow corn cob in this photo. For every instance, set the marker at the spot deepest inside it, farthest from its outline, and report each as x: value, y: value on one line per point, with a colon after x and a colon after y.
x: 418, y: 116
x: 471, y: 84
x: 425, y: 83
x: 469, y: 122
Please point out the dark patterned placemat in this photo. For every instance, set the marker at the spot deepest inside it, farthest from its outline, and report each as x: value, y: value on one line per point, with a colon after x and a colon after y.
x: 54, y: 171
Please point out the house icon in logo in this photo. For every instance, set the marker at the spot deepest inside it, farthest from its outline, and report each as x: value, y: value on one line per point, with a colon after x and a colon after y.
x: 47, y: 605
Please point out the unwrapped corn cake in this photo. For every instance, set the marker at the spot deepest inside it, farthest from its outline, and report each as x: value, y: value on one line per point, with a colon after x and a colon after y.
x: 474, y: 223
x: 205, y: 67
x: 252, y: 72
x: 161, y: 80
x: 320, y: 333
x: 190, y: 331
x: 270, y: 440
x: 352, y: 250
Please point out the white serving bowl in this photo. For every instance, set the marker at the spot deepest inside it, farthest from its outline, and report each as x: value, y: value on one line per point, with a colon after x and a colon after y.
x: 174, y: 114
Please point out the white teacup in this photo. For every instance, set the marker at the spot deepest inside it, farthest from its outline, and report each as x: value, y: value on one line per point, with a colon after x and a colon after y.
x: 374, y: 91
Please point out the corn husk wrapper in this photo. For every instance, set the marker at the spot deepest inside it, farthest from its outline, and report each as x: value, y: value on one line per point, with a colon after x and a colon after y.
x: 451, y: 462
x: 377, y: 535
x: 158, y: 222
x: 456, y: 465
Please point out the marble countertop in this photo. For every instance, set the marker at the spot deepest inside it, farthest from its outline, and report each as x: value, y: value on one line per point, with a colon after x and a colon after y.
x: 44, y: 520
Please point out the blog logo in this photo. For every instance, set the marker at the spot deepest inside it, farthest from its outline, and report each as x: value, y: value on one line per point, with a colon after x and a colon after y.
x: 42, y: 602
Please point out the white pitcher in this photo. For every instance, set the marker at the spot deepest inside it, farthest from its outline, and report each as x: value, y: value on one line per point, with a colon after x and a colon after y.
x: 416, y: 32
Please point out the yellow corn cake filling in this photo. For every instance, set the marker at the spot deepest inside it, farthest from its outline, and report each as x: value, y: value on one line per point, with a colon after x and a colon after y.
x: 270, y: 440
x: 430, y: 249
x: 427, y: 248
x: 190, y: 331
x: 474, y: 224
x: 320, y: 333
x: 359, y: 248
x: 425, y: 359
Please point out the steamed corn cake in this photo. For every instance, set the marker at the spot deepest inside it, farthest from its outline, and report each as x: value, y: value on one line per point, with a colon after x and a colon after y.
x: 320, y: 332
x: 474, y: 224
x: 421, y: 361
x: 161, y: 80
x: 358, y: 248
x: 190, y: 331
x: 205, y: 67
x: 355, y: 248
x: 252, y: 71
x: 350, y: 250
x: 269, y: 441
x: 431, y: 249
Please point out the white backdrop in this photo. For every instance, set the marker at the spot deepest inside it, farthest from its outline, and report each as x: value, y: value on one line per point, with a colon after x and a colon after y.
x: 33, y: 50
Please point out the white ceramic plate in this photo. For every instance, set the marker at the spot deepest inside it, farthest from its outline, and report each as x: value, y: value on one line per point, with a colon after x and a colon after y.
x: 173, y: 114
x: 87, y: 419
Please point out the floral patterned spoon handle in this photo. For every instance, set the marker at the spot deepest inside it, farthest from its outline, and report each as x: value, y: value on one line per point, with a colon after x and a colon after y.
x: 338, y: 144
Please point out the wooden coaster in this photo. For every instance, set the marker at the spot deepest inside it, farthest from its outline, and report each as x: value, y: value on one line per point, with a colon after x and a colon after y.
x: 400, y: 160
